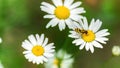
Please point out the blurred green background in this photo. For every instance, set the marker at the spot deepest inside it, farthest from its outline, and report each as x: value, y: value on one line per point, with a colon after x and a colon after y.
x: 20, y: 18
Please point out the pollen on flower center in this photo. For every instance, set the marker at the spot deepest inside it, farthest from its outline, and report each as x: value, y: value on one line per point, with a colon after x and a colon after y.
x: 38, y: 50
x: 90, y: 36
x: 56, y: 62
x: 61, y: 12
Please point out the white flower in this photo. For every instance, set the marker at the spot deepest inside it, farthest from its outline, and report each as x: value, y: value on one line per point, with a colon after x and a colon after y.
x: 1, y: 66
x: 116, y: 50
x: 62, y: 13
x: 60, y: 60
x: 0, y: 40
x: 89, y: 36
x: 37, y: 49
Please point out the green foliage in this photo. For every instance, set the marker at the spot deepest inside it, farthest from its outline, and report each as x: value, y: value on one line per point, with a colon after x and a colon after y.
x: 20, y: 18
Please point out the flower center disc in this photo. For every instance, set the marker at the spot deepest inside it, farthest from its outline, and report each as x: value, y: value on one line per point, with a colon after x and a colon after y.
x: 62, y: 12
x: 90, y: 36
x: 38, y: 50
x: 56, y: 61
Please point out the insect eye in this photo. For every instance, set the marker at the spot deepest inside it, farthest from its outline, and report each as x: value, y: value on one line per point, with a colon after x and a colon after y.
x: 86, y: 32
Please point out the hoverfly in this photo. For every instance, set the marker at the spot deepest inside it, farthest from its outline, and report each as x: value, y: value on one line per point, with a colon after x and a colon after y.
x: 80, y: 31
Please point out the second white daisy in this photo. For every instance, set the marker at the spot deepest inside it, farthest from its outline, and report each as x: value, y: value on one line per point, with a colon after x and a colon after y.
x: 62, y: 13
x: 1, y: 65
x: 37, y: 49
x: 0, y: 40
x: 89, y: 36
x: 116, y: 50
x: 61, y: 60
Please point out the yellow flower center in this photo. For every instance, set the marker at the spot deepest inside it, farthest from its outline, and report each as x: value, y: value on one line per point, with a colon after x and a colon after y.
x: 62, y: 12
x: 56, y: 62
x: 89, y: 36
x: 38, y: 50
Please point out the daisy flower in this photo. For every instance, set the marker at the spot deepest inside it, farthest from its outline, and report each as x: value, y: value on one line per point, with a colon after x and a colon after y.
x: 37, y: 49
x: 116, y: 50
x: 62, y: 13
x: 0, y: 40
x: 1, y: 65
x: 89, y: 36
x: 61, y: 60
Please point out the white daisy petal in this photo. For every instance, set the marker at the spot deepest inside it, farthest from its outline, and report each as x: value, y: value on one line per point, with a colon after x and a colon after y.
x: 97, y: 25
x: 81, y: 24
x: 69, y: 23
x: 41, y: 39
x: 48, y: 55
x: 50, y: 50
x: 104, y: 39
x: 76, y: 25
x: 37, y: 50
x: 82, y: 46
x: 74, y: 5
x: 61, y: 25
x: 80, y: 42
x: 49, y: 47
x: 38, y: 39
x: 91, y: 48
x: 76, y: 17
x: 92, y: 24
x: 73, y: 36
x: 68, y: 2
x: 96, y: 44
x: 60, y: 2
x: 49, y: 16
x: 76, y: 40
x: 85, y: 23
x: 45, y: 59
x: 100, y: 40
x: 48, y: 5
x: 26, y: 52
x: 40, y: 59
x: 57, y: 2
x: 73, y: 32
x: 45, y: 42
x: 102, y: 32
x: 105, y: 34
x: 45, y: 9
x: 87, y: 47
x: 78, y: 11
x: 32, y: 39
x: 27, y: 45
x: 52, y: 23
